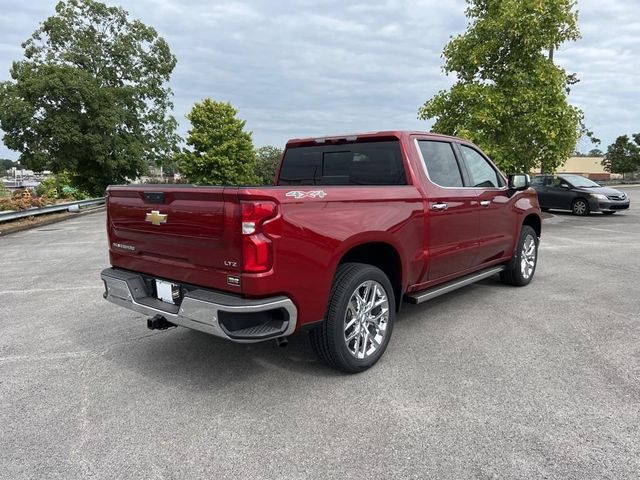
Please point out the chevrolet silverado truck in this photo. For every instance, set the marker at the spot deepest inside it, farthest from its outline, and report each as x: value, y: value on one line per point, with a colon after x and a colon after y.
x: 354, y: 226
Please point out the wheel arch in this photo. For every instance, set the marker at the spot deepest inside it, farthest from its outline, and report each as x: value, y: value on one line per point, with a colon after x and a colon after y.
x: 534, y: 221
x: 583, y: 198
x: 591, y: 204
x: 382, y: 255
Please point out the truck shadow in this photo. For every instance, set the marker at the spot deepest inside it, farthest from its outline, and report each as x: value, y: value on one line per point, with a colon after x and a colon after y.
x: 188, y: 359
x: 441, y: 309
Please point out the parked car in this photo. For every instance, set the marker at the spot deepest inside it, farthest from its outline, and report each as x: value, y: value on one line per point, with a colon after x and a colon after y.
x: 578, y: 194
x: 355, y: 225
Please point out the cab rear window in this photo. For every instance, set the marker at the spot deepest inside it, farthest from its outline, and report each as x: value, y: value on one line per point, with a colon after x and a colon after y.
x: 359, y: 163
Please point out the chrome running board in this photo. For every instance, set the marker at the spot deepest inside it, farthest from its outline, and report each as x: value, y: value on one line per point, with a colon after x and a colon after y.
x: 438, y: 290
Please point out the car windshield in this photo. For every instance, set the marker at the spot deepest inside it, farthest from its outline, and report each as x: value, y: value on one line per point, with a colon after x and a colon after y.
x: 580, y: 182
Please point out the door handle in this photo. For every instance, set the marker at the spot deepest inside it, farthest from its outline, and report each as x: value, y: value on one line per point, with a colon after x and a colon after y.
x: 440, y: 206
x: 485, y: 203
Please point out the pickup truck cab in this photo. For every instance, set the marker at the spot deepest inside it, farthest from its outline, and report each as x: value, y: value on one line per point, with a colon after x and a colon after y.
x: 354, y: 225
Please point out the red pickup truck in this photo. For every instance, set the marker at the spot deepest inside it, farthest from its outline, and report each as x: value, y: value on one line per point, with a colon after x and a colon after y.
x: 355, y: 225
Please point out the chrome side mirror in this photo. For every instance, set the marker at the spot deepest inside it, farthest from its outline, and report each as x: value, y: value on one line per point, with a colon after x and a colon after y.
x: 519, y: 181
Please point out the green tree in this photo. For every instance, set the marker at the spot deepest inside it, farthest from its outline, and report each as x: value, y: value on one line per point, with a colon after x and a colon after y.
x: 5, y: 166
x: 221, y: 151
x: 623, y: 155
x: 509, y: 97
x: 596, y: 152
x: 267, y: 160
x: 90, y: 96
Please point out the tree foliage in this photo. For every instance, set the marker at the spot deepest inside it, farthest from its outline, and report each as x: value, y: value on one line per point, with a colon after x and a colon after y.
x: 267, y: 160
x: 5, y: 166
x: 90, y: 96
x: 60, y: 186
x: 623, y: 155
x: 509, y: 97
x: 221, y: 151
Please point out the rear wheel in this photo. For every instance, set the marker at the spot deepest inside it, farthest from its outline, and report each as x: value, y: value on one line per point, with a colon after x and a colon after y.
x: 580, y: 207
x: 520, y: 270
x: 359, y: 319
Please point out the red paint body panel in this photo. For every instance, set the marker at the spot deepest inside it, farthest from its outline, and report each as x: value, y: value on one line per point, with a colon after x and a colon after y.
x: 201, y: 242
x: 204, y: 228
x: 316, y: 233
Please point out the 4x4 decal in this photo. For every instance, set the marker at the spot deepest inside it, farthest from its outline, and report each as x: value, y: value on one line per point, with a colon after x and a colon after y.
x: 309, y: 194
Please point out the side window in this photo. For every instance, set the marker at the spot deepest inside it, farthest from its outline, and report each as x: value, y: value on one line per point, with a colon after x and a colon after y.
x: 440, y: 161
x: 537, y: 181
x: 482, y: 173
x: 555, y: 182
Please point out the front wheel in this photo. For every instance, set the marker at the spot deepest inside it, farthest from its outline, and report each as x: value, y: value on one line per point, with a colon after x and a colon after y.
x: 520, y: 270
x: 359, y: 320
x: 580, y: 207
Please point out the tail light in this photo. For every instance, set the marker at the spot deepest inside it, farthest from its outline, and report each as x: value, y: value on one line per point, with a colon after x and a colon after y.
x: 257, y: 248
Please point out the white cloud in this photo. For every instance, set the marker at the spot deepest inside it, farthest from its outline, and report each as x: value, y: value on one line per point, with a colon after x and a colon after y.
x: 312, y: 67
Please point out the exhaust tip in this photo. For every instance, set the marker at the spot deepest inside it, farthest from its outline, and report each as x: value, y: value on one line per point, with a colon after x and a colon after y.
x: 282, y: 342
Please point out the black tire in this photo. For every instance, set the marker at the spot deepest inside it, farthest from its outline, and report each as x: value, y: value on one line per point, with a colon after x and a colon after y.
x: 580, y: 207
x: 608, y: 213
x: 329, y: 340
x: 516, y: 271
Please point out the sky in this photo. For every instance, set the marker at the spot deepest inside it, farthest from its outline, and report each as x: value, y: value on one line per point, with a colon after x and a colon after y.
x: 319, y: 67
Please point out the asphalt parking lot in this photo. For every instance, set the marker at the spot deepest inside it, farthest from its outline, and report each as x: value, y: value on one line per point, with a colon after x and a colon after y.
x: 487, y: 382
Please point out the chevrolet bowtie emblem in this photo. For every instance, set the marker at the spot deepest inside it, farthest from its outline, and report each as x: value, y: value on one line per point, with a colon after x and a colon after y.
x: 156, y: 218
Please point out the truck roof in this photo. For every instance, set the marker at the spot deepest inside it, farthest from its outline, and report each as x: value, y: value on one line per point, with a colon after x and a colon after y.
x: 353, y: 136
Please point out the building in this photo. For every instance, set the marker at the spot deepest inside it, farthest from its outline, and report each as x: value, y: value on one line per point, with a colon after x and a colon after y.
x: 590, y: 167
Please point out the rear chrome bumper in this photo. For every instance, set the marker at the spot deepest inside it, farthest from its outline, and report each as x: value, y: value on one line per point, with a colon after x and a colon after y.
x: 202, y: 309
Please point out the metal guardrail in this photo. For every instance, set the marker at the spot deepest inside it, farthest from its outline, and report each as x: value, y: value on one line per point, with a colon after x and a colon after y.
x: 60, y: 207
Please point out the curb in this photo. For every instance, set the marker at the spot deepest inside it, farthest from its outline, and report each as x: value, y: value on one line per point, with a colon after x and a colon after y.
x: 60, y: 217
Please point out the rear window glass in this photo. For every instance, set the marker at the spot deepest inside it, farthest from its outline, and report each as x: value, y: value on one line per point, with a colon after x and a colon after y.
x: 361, y: 163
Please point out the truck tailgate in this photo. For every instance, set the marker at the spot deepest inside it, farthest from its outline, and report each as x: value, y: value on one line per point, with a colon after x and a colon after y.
x: 184, y: 233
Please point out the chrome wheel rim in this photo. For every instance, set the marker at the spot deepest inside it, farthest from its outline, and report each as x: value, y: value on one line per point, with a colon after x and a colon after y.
x: 528, y: 257
x: 580, y: 207
x: 366, y: 319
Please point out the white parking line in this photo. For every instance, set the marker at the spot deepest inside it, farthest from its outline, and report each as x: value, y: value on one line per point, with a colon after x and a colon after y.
x: 70, y: 288
x: 54, y: 356
x: 617, y: 232
x: 70, y: 243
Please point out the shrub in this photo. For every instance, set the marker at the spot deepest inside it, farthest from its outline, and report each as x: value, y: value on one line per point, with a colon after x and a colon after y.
x: 20, y: 203
x: 59, y: 187
x: 6, y: 204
